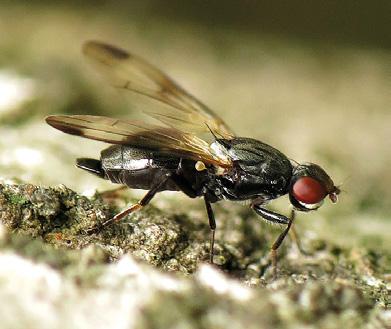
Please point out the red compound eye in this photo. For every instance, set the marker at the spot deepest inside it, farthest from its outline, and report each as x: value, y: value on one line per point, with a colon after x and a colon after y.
x: 308, y: 190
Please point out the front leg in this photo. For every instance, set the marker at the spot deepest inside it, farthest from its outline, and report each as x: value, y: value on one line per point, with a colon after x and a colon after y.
x: 269, y: 215
x: 279, y: 219
x: 295, y: 238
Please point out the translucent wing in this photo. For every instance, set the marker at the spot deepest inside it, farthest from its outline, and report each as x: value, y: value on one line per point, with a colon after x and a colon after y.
x: 127, y: 71
x: 153, y: 137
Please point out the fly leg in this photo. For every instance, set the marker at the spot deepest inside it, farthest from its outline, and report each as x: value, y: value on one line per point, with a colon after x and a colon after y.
x: 186, y: 188
x: 212, y: 225
x: 135, y: 207
x: 295, y: 238
x: 279, y: 219
x: 278, y: 243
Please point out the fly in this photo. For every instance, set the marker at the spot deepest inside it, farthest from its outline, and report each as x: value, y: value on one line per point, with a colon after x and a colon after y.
x: 190, y: 150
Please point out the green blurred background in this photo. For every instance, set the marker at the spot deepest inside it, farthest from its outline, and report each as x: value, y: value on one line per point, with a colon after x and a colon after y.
x: 310, y: 78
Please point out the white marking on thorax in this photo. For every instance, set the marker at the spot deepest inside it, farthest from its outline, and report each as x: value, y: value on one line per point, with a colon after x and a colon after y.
x: 220, y: 151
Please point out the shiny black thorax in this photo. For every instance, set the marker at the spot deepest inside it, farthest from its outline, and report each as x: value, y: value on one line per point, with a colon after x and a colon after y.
x: 259, y: 171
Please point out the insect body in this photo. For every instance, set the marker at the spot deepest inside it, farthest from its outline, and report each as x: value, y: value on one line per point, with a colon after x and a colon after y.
x: 191, y: 150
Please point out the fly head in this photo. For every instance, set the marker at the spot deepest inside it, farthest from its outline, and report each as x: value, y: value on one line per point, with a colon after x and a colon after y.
x: 309, y: 186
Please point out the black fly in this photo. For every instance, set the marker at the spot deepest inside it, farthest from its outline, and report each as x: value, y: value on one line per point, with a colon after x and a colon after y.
x: 175, y: 155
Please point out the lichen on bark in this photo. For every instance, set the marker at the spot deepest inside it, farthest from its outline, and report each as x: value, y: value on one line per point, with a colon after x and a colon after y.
x: 330, y: 287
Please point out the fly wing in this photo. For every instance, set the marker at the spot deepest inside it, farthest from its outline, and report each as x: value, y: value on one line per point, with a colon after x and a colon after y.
x: 132, y: 133
x: 127, y: 71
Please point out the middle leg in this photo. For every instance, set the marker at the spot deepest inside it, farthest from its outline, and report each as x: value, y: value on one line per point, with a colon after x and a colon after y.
x: 186, y: 188
x: 212, y: 225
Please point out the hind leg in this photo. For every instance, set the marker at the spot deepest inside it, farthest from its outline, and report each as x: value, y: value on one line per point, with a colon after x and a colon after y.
x: 135, y: 207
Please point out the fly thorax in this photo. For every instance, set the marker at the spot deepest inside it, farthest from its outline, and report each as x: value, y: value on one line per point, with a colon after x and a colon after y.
x: 258, y: 168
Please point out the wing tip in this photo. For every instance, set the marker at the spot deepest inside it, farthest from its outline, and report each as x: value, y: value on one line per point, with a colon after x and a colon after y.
x: 95, y: 49
x: 89, y: 45
x: 59, y: 122
x: 51, y: 119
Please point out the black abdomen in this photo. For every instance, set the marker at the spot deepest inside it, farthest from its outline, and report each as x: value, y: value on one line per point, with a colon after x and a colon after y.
x: 93, y: 166
x: 137, y: 168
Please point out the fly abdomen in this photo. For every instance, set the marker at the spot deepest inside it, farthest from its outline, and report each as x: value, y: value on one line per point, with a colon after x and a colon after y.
x: 137, y: 168
x: 91, y: 165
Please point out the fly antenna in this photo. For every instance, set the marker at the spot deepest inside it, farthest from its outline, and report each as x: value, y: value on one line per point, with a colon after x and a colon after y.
x: 343, y: 183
